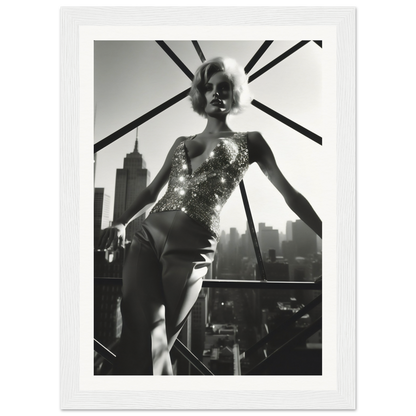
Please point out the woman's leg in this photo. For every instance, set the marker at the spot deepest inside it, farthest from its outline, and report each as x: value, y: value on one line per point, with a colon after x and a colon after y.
x: 187, y: 253
x: 143, y: 343
x: 162, y: 278
x: 179, y: 306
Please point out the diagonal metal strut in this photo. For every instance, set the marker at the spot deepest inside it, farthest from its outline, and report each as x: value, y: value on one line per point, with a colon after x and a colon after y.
x: 175, y: 59
x: 288, y: 122
x: 280, y: 58
x: 263, y: 48
x: 142, y: 119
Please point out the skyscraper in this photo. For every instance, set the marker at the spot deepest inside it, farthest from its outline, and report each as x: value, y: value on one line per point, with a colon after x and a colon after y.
x: 289, y: 234
x: 101, y: 212
x: 233, y: 252
x: 268, y: 239
x: 305, y: 239
x: 133, y: 178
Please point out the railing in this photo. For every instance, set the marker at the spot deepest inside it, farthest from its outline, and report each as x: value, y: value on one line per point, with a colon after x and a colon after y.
x: 236, y: 284
x: 282, y: 329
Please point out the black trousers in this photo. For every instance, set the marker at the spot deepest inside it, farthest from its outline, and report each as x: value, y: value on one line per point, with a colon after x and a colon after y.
x: 162, y: 278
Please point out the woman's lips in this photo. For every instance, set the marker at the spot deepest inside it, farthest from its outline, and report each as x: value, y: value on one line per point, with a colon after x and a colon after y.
x: 217, y: 103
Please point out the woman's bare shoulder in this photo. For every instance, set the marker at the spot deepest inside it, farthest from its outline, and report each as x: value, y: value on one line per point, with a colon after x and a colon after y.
x: 255, y: 140
x: 257, y: 146
x: 254, y: 136
x: 180, y: 139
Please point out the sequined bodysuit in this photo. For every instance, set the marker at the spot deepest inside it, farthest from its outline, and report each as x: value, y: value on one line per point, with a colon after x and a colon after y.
x: 202, y: 194
x: 172, y: 252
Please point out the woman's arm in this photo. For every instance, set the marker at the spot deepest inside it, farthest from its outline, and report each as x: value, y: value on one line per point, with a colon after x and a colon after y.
x: 260, y: 152
x: 113, y: 237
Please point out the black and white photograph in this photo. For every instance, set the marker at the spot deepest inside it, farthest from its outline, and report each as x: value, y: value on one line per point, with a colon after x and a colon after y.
x: 210, y: 178
x: 208, y: 195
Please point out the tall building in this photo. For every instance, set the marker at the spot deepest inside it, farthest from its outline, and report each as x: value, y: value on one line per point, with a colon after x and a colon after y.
x: 305, y: 239
x: 289, y: 250
x: 289, y: 234
x: 268, y: 239
x: 233, y: 250
x: 101, y: 212
x: 247, y: 244
x: 133, y: 178
x: 107, y: 315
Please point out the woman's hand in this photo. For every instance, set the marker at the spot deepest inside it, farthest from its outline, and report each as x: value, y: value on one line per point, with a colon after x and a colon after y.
x: 112, y: 238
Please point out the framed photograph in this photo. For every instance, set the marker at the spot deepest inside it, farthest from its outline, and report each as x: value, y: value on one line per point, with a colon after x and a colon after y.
x: 272, y: 323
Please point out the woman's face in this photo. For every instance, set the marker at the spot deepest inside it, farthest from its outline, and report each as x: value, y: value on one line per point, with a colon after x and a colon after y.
x: 218, y: 95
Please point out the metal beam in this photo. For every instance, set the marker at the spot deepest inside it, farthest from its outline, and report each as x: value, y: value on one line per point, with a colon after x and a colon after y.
x: 305, y: 334
x: 175, y: 59
x: 142, y: 119
x: 235, y: 284
x: 282, y: 327
x: 104, y: 352
x: 260, y: 284
x: 182, y: 349
x: 280, y: 58
x: 263, y: 48
x: 253, y: 231
x: 288, y: 122
x: 198, y: 50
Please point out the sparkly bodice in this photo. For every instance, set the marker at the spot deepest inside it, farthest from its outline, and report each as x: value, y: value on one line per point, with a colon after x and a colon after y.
x: 202, y: 194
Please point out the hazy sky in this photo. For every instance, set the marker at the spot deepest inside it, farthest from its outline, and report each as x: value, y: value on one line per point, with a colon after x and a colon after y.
x: 133, y: 77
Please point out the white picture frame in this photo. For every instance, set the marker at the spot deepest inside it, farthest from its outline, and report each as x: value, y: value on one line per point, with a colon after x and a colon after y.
x: 76, y: 393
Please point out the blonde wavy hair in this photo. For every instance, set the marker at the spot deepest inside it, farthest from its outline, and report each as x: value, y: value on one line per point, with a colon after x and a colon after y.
x: 235, y: 73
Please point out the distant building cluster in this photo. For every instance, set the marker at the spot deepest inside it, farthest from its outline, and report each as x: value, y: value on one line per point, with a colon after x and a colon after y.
x: 283, y: 254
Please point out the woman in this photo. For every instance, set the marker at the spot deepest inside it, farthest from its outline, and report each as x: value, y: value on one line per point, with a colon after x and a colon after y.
x: 168, y: 258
